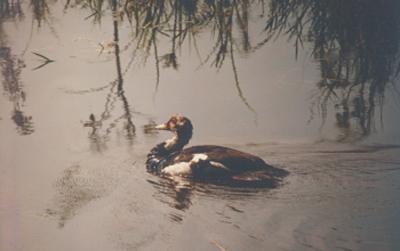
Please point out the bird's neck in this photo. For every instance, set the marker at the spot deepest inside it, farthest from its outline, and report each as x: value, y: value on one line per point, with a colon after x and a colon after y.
x: 177, y: 142
x: 157, y: 157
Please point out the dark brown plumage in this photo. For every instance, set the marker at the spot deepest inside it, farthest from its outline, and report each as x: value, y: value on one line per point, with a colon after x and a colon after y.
x: 233, y: 159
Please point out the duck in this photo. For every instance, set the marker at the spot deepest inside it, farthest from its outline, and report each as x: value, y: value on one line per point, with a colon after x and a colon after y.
x: 204, y: 162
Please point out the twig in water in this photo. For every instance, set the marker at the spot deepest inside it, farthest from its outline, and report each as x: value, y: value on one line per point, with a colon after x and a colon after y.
x: 218, y: 246
x: 46, y: 61
x: 44, y: 57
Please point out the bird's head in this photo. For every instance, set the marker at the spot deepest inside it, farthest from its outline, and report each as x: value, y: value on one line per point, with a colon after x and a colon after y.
x: 176, y: 124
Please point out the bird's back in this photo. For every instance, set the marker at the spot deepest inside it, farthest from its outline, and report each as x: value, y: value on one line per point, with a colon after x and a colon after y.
x: 223, y: 157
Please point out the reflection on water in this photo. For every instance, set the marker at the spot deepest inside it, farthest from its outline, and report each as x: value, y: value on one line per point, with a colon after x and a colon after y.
x: 177, y: 192
x: 174, y: 194
x: 11, y: 67
x: 116, y: 91
x: 357, y: 46
x: 355, y: 43
x: 10, y: 10
x: 24, y: 123
x: 129, y: 126
x: 103, y: 126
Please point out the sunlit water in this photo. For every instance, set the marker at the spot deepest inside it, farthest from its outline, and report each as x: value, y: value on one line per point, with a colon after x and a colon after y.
x: 72, y: 152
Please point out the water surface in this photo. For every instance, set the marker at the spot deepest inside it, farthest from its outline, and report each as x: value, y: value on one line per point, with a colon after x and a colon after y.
x: 74, y: 128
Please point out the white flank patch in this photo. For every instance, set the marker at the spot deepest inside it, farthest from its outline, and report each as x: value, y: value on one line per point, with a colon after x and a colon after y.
x: 218, y: 165
x: 184, y: 168
x: 199, y: 156
x: 180, y: 168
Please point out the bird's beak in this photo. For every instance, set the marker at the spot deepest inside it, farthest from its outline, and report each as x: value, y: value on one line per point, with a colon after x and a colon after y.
x: 162, y: 127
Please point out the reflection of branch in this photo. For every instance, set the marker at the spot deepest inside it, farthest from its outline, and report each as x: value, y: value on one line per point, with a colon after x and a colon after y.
x: 91, y: 15
x: 130, y: 127
x: 356, y: 55
x: 11, y: 68
x: 157, y: 69
x: 29, y: 40
x: 180, y: 21
x: 116, y: 93
x: 24, y: 123
x: 237, y: 84
x: 366, y: 53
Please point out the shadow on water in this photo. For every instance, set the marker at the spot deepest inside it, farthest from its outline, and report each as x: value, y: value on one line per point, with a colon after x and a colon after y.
x: 177, y: 192
x: 74, y: 191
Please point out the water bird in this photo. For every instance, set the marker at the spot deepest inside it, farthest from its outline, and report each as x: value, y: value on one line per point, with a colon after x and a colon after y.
x: 206, y: 162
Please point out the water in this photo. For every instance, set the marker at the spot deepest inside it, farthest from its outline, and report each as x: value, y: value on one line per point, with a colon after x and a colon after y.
x: 74, y: 138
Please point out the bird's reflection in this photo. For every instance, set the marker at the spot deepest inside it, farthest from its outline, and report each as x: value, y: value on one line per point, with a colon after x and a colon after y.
x: 176, y: 193
x: 179, y: 192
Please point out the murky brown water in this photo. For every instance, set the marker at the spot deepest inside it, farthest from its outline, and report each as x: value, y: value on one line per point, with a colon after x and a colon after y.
x: 74, y: 140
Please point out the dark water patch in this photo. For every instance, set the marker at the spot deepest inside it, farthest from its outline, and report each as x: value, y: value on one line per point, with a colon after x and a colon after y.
x: 74, y: 191
x: 81, y: 184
